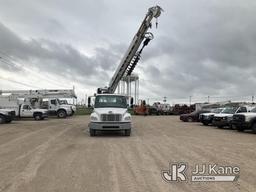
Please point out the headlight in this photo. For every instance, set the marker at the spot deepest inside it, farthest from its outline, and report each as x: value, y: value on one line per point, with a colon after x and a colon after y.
x: 93, y: 118
x: 127, y: 118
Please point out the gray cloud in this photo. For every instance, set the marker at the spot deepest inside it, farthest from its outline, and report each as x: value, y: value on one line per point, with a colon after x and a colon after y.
x: 200, y: 48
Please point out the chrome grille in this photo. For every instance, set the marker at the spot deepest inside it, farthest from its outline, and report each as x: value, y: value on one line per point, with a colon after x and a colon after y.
x: 111, y: 117
x: 239, y: 118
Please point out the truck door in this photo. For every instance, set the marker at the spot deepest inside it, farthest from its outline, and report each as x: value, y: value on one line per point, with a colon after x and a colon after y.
x: 26, y: 111
x: 53, y: 106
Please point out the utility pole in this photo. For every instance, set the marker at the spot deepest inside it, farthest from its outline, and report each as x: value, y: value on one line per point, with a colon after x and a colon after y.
x: 253, y: 99
x: 190, y: 99
x: 208, y: 98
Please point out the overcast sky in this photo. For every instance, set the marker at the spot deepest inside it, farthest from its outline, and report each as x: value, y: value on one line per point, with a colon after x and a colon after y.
x: 201, y: 47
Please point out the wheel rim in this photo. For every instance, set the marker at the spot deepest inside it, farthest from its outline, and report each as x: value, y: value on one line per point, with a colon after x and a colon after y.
x: 189, y: 119
x: 61, y: 114
x: 37, y: 117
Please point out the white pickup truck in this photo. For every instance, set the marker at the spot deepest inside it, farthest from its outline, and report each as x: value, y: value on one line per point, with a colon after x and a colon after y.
x: 110, y: 114
x: 243, y: 121
x: 27, y: 111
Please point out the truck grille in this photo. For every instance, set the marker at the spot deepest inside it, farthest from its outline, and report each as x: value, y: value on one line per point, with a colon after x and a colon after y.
x: 239, y: 118
x: 111, y: 117
x: 217, y: 118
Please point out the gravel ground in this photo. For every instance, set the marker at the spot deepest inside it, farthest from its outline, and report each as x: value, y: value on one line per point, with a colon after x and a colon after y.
x: 59, y: 155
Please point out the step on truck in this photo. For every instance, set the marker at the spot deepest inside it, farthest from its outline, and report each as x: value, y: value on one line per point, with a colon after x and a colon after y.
x: 110, y: 114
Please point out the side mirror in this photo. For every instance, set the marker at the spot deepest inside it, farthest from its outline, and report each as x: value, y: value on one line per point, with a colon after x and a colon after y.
x: 131, y: 102
x: 89, y: 102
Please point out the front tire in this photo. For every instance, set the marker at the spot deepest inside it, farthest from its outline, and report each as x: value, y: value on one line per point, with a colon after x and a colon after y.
x: 2, y: 119
x: 62, y: 114
x: 190, y: 119
x: 240, y: 129
x: 127, y: 132
x: 92, y: 132
x: 38, y: 117
x: 254, y: 128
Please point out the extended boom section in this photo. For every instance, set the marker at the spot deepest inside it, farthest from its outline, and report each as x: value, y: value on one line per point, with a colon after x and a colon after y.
x: 132, y: 55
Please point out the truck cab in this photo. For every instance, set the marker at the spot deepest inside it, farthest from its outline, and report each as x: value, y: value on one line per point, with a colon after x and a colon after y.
x: 26, y: 110
x: 56, y: 108
x: 110, y: 114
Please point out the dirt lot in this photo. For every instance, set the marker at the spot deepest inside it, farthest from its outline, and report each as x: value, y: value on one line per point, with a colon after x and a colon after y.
x: 59, y: 155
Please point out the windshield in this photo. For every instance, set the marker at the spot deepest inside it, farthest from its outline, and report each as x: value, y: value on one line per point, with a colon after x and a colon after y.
x: 102, y: 101
x: 59, y: 102
x: 230, y: 110
x: 218, y: 110
x: 253, y: 110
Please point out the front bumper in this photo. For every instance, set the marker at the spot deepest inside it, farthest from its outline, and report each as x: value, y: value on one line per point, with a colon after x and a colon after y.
x: 45, y: 115
x: 239, y: 124
x: 9, y: 118
x: 206, y: 119
x: 221, y: 123
x: 112, y: 126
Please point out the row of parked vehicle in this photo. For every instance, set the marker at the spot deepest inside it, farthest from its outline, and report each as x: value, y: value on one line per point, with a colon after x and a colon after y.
x: 239, y: 118
x: 52, y: 107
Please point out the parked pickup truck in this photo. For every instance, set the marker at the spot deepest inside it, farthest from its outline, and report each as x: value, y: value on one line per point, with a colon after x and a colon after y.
x: 207, y: 118
x: 27, y: 111
x: 244, y: 121
x: 6, y: 115
x: 226, y: 116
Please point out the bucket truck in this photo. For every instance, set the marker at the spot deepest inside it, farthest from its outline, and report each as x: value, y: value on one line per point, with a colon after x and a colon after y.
x: 46, y: 99
x: 110, y: 110
x: 19, y: 109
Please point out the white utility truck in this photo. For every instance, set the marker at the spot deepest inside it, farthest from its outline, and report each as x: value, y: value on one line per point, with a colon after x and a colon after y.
x: 110, y: 113
x: 46, y: 99
x: 55, y: 107
x: 21, y: 108
x: 110, y: 110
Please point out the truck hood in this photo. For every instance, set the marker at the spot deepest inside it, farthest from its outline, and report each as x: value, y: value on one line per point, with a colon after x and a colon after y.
x: 223, y: 115
x: 207, y: 114
x: 249, y: 114
x: 110, y: 110
x: 40, y: 110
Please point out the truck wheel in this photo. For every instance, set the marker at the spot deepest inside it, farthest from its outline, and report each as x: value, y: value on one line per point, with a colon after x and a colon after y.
x: 127, y: 132
x: 92, y: 132
x: 240, y: 129
x: 205, y: 123
x: 62, y: 114
x: 37, y: 117
x: 220, y: 126
x: 254, y: 128
x: 2, y: 119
